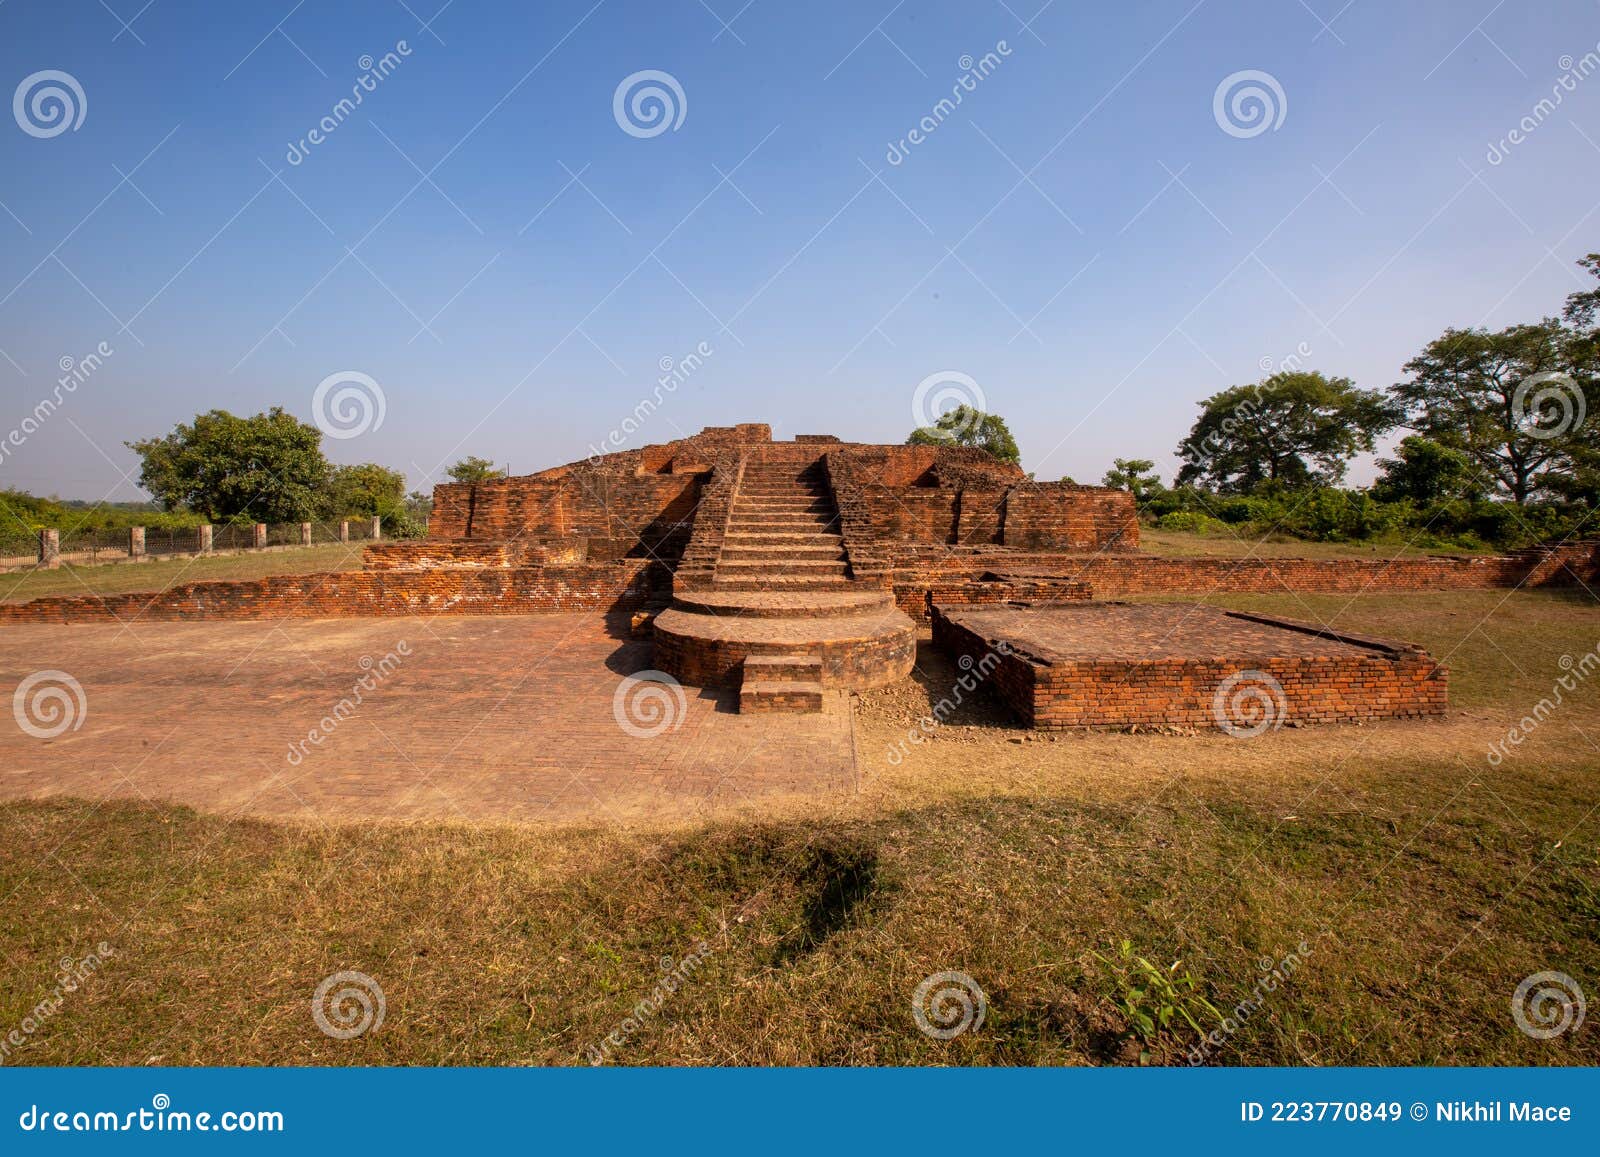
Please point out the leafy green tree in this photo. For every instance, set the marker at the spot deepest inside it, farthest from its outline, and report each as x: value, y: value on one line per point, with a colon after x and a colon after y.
x: 1583, y: 307
x: 1296, y: 428
x: 475, y: 469
x: 1425, y: 472
x: 1510, y: 401
x: 967, y: 426
x: 265, y: 468
x: 1135, y: 475
x: 366, y: 489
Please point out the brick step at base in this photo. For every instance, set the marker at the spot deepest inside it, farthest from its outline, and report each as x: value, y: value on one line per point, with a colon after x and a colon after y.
x: 796, y: 668
x: 774, y: 697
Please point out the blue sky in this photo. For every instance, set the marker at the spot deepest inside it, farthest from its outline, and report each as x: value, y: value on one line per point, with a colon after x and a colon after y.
x: 1081, y: 237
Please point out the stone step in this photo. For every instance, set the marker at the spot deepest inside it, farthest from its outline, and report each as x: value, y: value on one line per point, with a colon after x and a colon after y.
x: 774, y: 697
x: 800, y: 566
x: 780, y: 538
x: 739, y: 515
x: 797, y: 667
x: 771, y: 584
x: 785, y: 604
x: 743, y: 498
x: 778, y: 554
x: 784, y: 524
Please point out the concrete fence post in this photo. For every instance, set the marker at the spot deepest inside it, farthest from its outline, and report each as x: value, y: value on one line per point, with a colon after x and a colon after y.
x: 135, y: 542
x: 305, y: 534
x: 49, y: 549
x: 344, y: 532
x: 202, y: 538
x: 258, y: 535
x: 377, y: 529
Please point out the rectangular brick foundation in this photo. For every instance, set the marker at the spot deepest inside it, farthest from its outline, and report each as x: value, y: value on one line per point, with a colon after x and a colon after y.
x: 1185, y: 665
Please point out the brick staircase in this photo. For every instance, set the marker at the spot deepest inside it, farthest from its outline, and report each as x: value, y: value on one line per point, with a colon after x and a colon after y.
x: 783, y: 617
x: 783, y: 532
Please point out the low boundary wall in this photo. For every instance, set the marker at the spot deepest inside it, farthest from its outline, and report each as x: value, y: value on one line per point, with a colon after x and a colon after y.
x: 368, y: 593
x: 923, y: 574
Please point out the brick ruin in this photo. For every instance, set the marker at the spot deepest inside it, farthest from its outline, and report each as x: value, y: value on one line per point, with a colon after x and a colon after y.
x: 784, y: 569
x: 1185, y: 665
x: 782, y: 555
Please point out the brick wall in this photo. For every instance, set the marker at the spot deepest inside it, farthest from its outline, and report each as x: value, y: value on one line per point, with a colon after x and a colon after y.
x: 359, y: 594
x: 989, y: 593
x: 919, y: 572
x: 698, y: 561
x: 1062, y: 516
x: 1051, y: 693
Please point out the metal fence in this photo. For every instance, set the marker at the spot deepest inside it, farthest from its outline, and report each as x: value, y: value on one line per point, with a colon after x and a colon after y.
x: 94, y: 543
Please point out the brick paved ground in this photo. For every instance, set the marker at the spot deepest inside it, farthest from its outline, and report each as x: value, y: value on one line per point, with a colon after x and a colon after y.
x: 494, y: 718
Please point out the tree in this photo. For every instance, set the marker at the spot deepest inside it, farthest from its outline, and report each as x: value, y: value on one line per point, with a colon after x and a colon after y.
x: 266, y: 468
x: 366, y: 490
x: 1511, y: 401
x: 1296, y: 428
x: 475, y: 469
x: 1135, y: 475
x: 1584, y: 305
x: 1425, y: 472
x: 966, y: 426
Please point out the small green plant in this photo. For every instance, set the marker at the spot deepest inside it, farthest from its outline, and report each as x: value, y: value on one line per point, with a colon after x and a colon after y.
x: 1150, y: 998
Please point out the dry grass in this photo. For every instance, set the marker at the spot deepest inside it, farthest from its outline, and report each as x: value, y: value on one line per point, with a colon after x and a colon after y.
x: 160, y: 573
x: 1424, y: 884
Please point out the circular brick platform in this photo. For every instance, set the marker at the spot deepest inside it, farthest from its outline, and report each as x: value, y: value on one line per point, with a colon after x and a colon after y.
x: 857, y: 645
